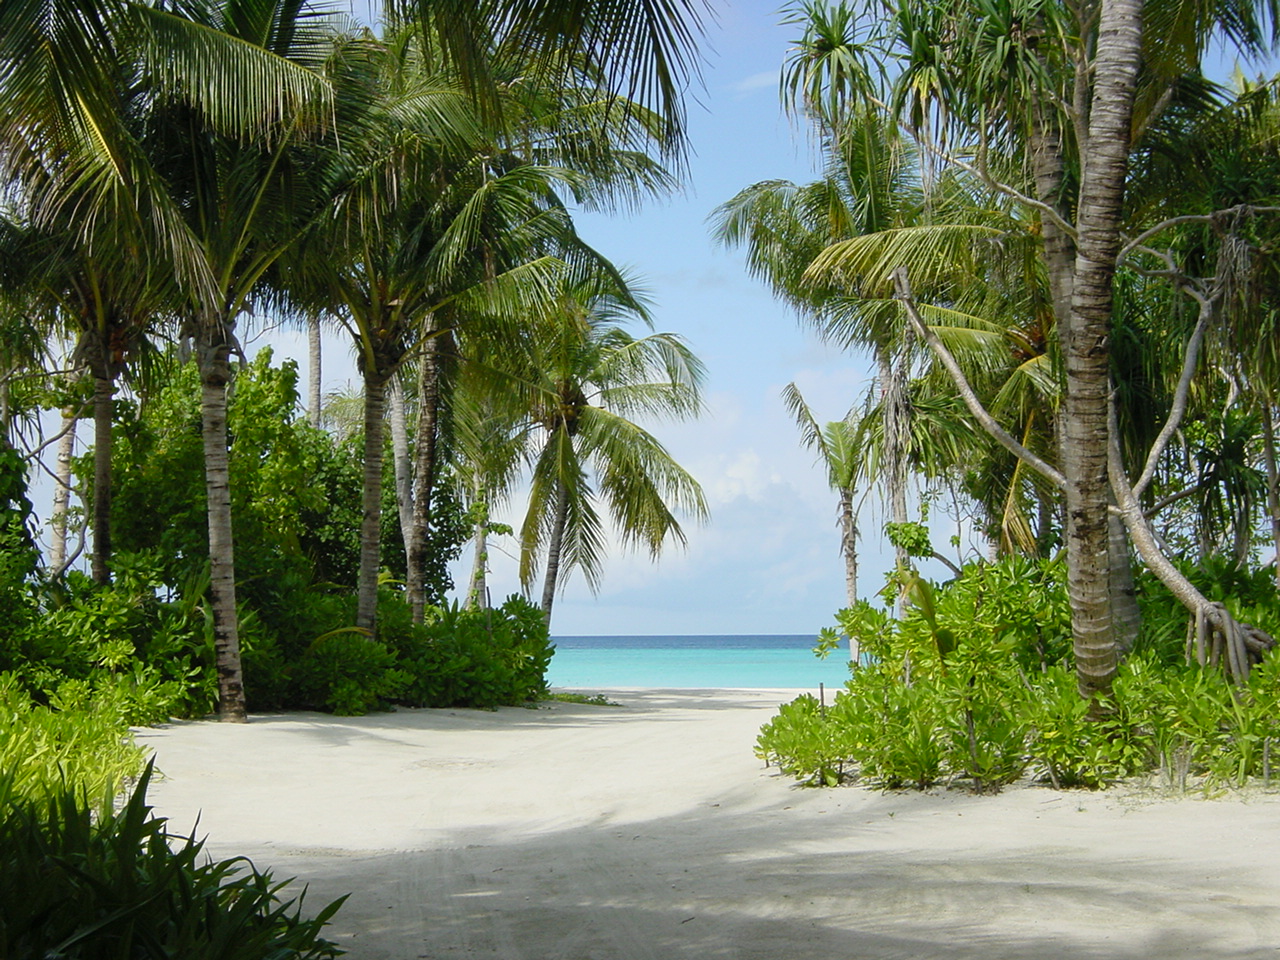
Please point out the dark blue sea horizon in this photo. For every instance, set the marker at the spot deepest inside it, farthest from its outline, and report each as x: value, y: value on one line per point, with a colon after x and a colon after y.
x: 695, y: 661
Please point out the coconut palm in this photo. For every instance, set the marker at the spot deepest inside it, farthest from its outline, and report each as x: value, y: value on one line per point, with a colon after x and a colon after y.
x: 840, y: 452
x: 586, y: 378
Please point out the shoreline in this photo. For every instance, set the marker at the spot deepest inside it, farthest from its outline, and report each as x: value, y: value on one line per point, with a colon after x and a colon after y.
x: 651, y: 830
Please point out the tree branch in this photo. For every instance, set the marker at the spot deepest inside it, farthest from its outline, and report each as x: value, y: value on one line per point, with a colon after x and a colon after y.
x: 1179, y: 406
x: 967, y: 394
x: 1044, y: 209
x: 1145, y: 235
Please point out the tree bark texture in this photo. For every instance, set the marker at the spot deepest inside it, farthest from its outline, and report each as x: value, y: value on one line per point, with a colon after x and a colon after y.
x: 1086, y: 348
x: 375, y: 386
x: 477, y: 591
x: 62, y: 491
x: 555, y: 544
x: 1273, y: 479
x: 314, y: 397
x: 222, y: 568
x: 849, y: 546
x: 424, y: 471
x: 104, y: 391
x: 400, y: 458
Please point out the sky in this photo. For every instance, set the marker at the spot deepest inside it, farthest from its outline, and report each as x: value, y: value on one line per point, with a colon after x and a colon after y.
x: 768, y: 561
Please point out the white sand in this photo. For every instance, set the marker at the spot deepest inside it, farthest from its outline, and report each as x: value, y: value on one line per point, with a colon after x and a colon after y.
x: 650, y: 831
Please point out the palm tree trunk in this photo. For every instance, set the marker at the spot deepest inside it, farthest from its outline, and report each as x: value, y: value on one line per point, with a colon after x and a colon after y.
x: 314, y: 400
x: 62, y: 490
x: 424, y: 471
x: 1085, y: 345
x: 477, y: 592
x: 849, y: 546
x: 400, y: 459
x: 1126, y: 615
x: 893, y: 385
x: 555, y: 544
x: 1273, y: 479
x: 375, y: 386
x: 222, y: 568
x: 104, y: 390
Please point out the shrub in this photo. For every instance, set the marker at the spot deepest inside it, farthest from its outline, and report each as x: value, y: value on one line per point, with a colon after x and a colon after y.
x: 80, y: 885
x: 348, y: 673
x: 477, y: 658
x: 974, y: 682
x: 81, y: 744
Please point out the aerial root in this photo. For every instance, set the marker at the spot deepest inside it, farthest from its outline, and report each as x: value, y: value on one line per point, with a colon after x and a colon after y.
x: 1226, y: 641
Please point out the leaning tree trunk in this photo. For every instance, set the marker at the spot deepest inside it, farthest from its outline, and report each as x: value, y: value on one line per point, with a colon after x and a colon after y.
x: 104, y: 390
x: 555, y: 545
x: 215, y: 373
x: 1085, y: 345
x: 430, y: 392
x: 375, y: 385
x: 62, y: 491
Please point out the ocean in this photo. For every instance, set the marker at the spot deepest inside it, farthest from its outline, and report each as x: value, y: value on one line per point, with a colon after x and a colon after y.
x: 585, y: 663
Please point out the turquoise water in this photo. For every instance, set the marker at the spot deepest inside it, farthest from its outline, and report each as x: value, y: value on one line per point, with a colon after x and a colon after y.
x: 694, y: 662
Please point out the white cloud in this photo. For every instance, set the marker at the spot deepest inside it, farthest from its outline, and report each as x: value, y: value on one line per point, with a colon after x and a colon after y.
x: 764, y: 80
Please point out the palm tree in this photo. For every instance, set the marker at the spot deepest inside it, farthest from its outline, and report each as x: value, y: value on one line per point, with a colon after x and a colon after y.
x: 840, y: 452
x: 244, y: 203
x: 643, y: 53
x: 586, y: 378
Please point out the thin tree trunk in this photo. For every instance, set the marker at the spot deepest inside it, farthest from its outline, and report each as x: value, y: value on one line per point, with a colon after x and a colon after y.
x: 314, y: 399
x: 555, y: 544
x: 477, y: 592
x: 62, y: 490
x: 400, y: 458
x: 892, y: 377
x: 1126, y: 615
x: 222, y: 569
x: 1085, y: 345
x: 1273, y: 479
x: 424, y: 472
x: 849, y: 546
x: 375, y: 386
x: 104, y: 390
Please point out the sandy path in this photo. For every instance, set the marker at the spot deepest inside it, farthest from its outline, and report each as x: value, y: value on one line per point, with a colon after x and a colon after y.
x: 650, y: 832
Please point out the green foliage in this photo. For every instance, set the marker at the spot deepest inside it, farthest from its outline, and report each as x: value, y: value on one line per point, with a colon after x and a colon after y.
x: 350, y: 674
x: 1250, y: 595
x: 78, y: 743
x: 974, y: 683
x: 910, y: 536
x: 592, y: 699
x: 86, y: 885
x: 478, y: 658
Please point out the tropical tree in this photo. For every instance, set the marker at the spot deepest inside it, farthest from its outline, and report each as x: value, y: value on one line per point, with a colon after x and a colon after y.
x: 1019, y: 96
x: 244, y: 197
x: 840, y: 452
x: 586, y: 378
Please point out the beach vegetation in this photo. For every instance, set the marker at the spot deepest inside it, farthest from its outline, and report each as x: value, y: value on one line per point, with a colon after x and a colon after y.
x: 973, y: 685
x: 90, y: 882
x: 1002, y: 227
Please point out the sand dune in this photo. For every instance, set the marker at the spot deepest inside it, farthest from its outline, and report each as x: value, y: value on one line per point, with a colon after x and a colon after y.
x: 650, y: 832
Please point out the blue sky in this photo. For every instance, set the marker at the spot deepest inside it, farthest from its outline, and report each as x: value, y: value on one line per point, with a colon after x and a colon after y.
x: 768, y: 561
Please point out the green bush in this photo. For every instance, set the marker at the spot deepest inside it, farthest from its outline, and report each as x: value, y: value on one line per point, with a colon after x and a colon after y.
x: 974, y: 682
x: 79, y: 884
x: 350, y: 674
x: 80, y: 743
x: 477, y: 658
